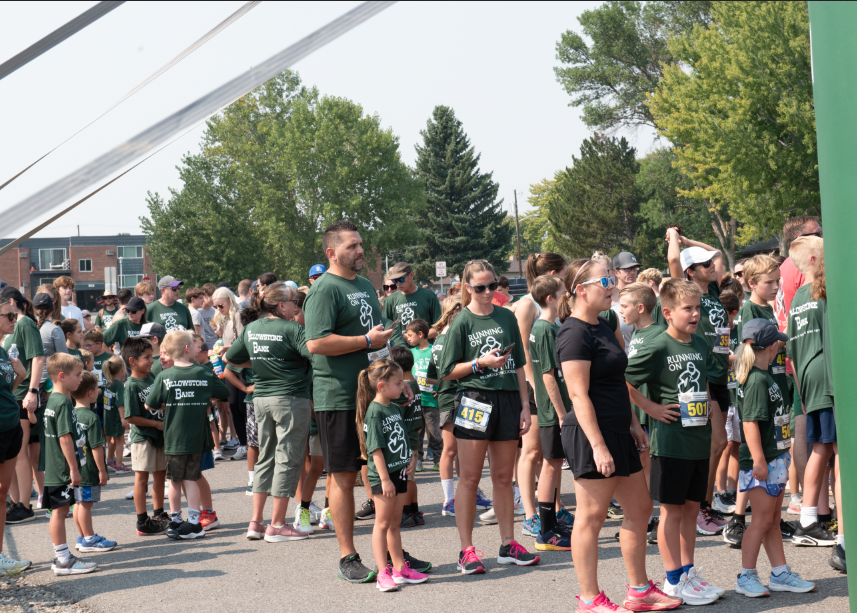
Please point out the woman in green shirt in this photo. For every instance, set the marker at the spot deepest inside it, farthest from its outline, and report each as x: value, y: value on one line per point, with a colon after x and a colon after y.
x: 121, y: 329
x: 73, y: 332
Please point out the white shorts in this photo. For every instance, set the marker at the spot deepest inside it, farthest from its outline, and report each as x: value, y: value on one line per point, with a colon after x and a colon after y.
x: 733, y: 425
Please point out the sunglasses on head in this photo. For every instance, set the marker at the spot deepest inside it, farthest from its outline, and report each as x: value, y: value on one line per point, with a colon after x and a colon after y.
x: 391, y: 288
x: 818, y: 234
x: 480, y: 289
x: 604, y: 281
x: 12, y: 317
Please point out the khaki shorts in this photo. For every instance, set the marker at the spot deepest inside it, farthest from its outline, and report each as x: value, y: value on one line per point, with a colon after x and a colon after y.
x: 146, y: 458
x: 314, y: 445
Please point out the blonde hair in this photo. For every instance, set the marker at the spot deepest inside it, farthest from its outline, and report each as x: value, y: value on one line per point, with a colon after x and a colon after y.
x: 113, y: 370
x: 640, y: 293
x: 275, y: 293
x: 62, y: 362
x: 603, y: 258
x: 224, y: 293
x: 744, y: 359
x: 86, y: 357
x: 757, y: 266
x: 175, y: 342
x: 675, y: 290
x: 367, y: 385
x: 144, y: 288
x: 803, y: 248
x: 818, y: 291
x: 651, y: 274
x: 470, y: 269
x: 449, y: 308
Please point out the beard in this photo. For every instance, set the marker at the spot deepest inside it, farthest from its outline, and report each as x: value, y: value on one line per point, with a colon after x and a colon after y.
x: 351, y: 263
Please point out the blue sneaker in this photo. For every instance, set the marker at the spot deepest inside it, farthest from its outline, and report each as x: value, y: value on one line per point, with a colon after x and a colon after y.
x: 565, y: 518
x: 482, y: 503
x: 555, y: 540
x: 789, y: 581
x: 448, y: 508
x: 532, y: 526
x: 77, y: 544
x: 749, y: 585
x: 99, y: 544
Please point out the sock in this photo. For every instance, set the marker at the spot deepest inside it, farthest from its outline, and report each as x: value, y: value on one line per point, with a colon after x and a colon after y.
x: 747, y: 571
x: 415, y: 508
x: 448, y: 486
x: 326, y: 502
x: 825, y: 516
x: 89, y: 539
x: 250, y: 474
x: 674, y: 576
x: 808, y: 516
x: 142, y: 517
x: 779, y: 570
x: 739, y: 518
x: 63, y: 554
x: 587, y: 601
x: 840, y: 540
x: 686, y: 568
x: 547, y: 513
x: 193, y: 515
x: 640, y: 590
x: 176, y: 517
x: 305, y: 504
x: 157, y: 511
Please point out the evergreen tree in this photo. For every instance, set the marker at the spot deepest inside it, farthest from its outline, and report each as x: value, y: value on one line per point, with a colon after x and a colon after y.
x: 463, y: 219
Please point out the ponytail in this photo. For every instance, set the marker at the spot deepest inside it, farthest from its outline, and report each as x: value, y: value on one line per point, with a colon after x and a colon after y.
x: 449, y: 309
x: 818, y: 290
x: 539, y: 264
x: 745, y: 357
x: 43, y: 316
x: 470, y: 269
x: 113, y: 370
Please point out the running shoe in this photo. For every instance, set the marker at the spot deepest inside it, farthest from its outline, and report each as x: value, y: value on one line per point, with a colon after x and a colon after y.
x: 733, y: 533
x: 652, y: 599
x: 565, y: 518
x: 325, y: 522
x: 519, y: 506
x: 162, y: 516
x: 418, y: 565
x: 150, y: 527
x: 705, y: 523
x: 470, y: 561
x: 283, y: 533
x: 123, y: 469
x: 556, y: 539
x: 255, y: 531
x: 693, y: 576
x: 795, y: 504
x: 367, y: 511
x: 565, y: 465
x: 614, y: 511
x: 189, y: 531
x: 448, y: 508
x: 716, y: 516
x: 489, y: 517
x: 208, y: 519
x: 39, y: 503
x: 385, y: 582
x: 9, y: 566
x: 20, y: 514
x: 111, y: 467
x: 351, y: 569
x: 408, y: 520
x: 789, y: 581
x: 813, y: 535
x: 173, y: 529
x: 837, y: 560
x: 314, y: 513
x: 436, y: 467
x: 419, y: 467
x: 233, y: 443
x: 532, y: 526
x: 601, y: 604
x: 130, y: 495
x: 249, y: 490
x: 482, y: 503
x: 787, y: 529
x: 722, y: 503
x: 408, y: 575
x: 419, y: 518
x: 688, y: 592
x: 750, y: 586
x: 218, y: 455
x: 72, y: 566
x: 127, y: 452
x: 99, y: 543
x: 303, y: 521
x: 240, y: 453
x: 515, y: 553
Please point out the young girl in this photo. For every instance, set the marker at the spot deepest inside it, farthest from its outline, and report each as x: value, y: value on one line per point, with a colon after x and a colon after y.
x: 764, y: 459
x: 73, y: 335
x: 384, y: 443
x: 113, y: 371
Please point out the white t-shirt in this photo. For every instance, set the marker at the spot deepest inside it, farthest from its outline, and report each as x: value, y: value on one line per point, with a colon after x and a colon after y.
x: 202, y: 318
x: 72, y: 312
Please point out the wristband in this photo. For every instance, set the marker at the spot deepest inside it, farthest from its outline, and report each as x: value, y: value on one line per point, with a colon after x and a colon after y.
x: 34, y: 390
x: 475, y: 366
x: 368, y: 341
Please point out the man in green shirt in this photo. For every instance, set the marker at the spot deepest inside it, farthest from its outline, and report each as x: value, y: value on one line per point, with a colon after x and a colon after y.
x: 167, y: 311
x: 410, y: 302
x: 105, y: 315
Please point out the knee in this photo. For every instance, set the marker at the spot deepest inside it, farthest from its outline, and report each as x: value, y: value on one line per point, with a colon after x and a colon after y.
x: 469, y: 481
x: 639, y: 511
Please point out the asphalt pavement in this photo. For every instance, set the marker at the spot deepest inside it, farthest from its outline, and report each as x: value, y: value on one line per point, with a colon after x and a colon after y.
x: 226, y: 572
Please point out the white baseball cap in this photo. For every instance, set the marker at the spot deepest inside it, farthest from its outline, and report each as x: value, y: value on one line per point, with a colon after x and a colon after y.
x: 696, y: 255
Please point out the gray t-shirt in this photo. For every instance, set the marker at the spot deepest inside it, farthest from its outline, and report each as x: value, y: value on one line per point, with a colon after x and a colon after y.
x: 627, y: 329
x: 53, y: 341
x: 202, y: 318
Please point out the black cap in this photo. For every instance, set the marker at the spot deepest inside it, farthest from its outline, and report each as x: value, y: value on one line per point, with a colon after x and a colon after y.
x: 12, y: 293
x: 625, y: 259
x: 762, y: 332
x: 224, y: 284
x: 136, y: 304
x: 153, y: 329
x: 43, y: 301
x: 2, y: 284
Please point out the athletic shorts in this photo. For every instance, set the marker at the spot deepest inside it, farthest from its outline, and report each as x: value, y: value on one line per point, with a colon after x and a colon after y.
x: 184, y: 467
x: 578, y: 452
x: 775, y: 483
x: 676, y: 480
x: 146, y: 458
x: 531, y: 396
x: 446, y: 417
x: 400, y: 482
x: 733, y: 425
x: 340, y: 447
x: 57, y: 496
x: 314, y: 445
x: 821, y: 426
x: 551, y: 439
x: 87, y: 493
x: 719, y: 394
x: 11, y: 442
x: 206, y: 461
x: 504, y: 421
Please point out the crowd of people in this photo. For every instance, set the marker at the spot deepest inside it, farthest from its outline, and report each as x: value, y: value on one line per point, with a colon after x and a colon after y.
x: 695, y: 391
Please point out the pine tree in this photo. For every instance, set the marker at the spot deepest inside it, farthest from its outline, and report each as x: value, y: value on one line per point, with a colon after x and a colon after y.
x: 463, y: 220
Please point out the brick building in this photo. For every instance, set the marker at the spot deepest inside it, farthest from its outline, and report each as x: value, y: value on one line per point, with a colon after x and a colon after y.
x: 89, y: 260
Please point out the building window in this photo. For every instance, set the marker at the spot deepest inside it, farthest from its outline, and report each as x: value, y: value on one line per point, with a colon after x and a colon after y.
x: 131, y: 252
x: 85, y: 265
x: 52, y: 259
x: 129, y: 281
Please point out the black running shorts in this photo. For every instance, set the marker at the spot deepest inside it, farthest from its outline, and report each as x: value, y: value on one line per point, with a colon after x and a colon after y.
x: 340, y: 447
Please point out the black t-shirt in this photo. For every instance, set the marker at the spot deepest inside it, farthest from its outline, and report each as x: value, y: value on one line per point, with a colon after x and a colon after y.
x: 578, y: 340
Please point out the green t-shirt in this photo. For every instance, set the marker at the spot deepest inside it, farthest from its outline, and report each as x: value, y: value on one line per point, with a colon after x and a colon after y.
x: 335, y: 305
x: 422, y: 359
x: 74, y: 352
x: 91, y: 427
x: 543, y: 359
x: 805, y: 347
x: 186, y: 391
x: 639, y: 339
x: 114, y: 400
x: 384, y: 428
x: 122, y: 329
x: 445, y: 389
x: 136, y: 392
x: 777, y: 368
x: 157, y: 367
x: 760, y: 400
x: 105, y: 318
x: 9, y: 413
x: 61, y: 419
x: 412, y: 414
x: 176, y: 317
x: 421, y: 304
x: 282, y: 364
x: 611, y: 317
x: 98, y: 365
x: 472, y: 336
x: 675, y: 372
x: 27, y: 338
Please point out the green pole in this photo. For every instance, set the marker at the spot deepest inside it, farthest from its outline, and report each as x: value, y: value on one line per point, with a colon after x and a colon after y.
x: 834, y: 59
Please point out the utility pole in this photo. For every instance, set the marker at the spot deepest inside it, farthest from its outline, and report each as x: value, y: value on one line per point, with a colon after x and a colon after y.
x: 78, y: 229
x: 518, y: 234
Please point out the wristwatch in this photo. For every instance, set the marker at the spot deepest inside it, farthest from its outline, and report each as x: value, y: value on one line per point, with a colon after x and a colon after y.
x: 34, y: 390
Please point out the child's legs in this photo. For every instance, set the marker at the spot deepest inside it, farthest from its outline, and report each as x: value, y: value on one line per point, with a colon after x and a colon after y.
x: 38, y: 475
x: 688, y: 532
x: 549, y: 479
x: 764, y: 507
x: 159, y: 478
x: 732, y: 474
x: 141, y: 483
x: 175, y: 496
x: 394, y: 535
x: 816, y: 467
x: 824, y: 492
x: 364, y: 477
x: 669, y: 535
x: 386, y: 518
x: 83, y: 518
x: 718, y: 444
x: 723, y: 468
x: 837, y: 494
x: 223, y: 410
x: 741, y: 502
x: 111, y: 449
x: 411, y: 496
x: 798, y: 448
x: 193, y: 492
x: 449, y: 453
x: 774, y: 537
x: 252, y: 457
x: 57, y: 525
x: 531, y: 455
x: 23, y: 468
x: 204, y: 493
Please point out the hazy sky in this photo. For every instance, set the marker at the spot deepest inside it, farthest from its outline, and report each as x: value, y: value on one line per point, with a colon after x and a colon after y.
x: 492, y: 63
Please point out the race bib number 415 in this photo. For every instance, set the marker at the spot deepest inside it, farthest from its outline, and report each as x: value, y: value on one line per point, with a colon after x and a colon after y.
x: 472, y: 415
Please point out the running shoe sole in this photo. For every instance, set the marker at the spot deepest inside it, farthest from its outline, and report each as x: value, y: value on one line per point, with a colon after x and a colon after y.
x: 403, y: 581
x: 838, y: 563
x: 191, y: 536
x: 254, y: 536
x: 808, y: 541
x: 21, y: 521
x: 474, y: 571
x: 707, y: 533
x: 740, y: 590
x: 517, y: 562
x: 447, y: 513
x: 774, y: 587
x: 61, y: 572
x: 150, y: 533
x: 85, y: 549
x: 371, y: 577
x: 212, y: 525
x: 281, y: 539
x: 549, y: 547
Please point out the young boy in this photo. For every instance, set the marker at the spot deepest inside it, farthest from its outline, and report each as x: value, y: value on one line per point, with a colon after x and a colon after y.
x: 64, y: 441
x: 726, y: 496
x: 207, y: 517
x: 147, y: 437
x: 93, y: 471
x: 412, y: 417
x: 416, y: 335
x: 154, y: 333
x: 183, y: 393
x: 673, y: 366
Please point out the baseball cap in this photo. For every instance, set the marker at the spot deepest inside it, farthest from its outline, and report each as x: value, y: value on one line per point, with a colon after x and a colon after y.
x: 43, y: 301
x: 153, y: 329
x: 254, y: 286
x: 399, y: 270
x: 291, y: 284
x: 10, y: 292
x: 224, y: 284
x: 317, y: 269
x: 695, y: 255
x: 169, y: 281
x: 135, y: 304
x: 762, y: 332
x: 625, y: 259
x: 2, y: 284
x: 84, y: 313
x: 204, y: 347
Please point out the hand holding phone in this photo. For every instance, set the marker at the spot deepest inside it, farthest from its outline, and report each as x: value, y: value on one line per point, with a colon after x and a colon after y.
x: 395, y: 323
x: 507, y: 350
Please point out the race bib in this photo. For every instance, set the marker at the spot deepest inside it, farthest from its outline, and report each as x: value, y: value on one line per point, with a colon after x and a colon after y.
x: 383, y: 352
x: 782, y: 432
x: 472, y: 415
x: 694, y: 408
x: 722, y: 340
x: 778, y: 366
x: 100, y: 376
x: 731, y: 382
x: 422, y: 382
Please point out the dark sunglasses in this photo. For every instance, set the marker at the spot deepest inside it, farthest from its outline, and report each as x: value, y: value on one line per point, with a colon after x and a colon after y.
x: 391, y: 288
x: 739, y: 274
x: 220, y: 306
x: 316, y: 277
x: 12, y: 317
x: 132, y: 312
x: 479, y: 289
x: 704, y: 264
x: 400, y: 280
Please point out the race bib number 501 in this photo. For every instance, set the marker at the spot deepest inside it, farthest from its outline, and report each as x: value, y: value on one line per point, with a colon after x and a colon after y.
x: 694, y: 408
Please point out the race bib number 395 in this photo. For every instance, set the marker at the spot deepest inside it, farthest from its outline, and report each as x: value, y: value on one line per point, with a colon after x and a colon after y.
x: 722, y: 338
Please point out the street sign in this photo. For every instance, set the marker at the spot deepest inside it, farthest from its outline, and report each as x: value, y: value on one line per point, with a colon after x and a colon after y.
x: 146, y: 279
x: 440, y: 269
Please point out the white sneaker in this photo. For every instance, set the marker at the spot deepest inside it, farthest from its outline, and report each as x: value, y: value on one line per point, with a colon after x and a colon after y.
x: 694, y: 577
x: 129, y: 495
x: 10, y: 566
x: 126, y: 453
x: 314, y: 513
x: 519, y: 507
x: 722, y: 504
x: 326, y: 520
x: 240, y: 454
x: 689, y: 593
x: 488, y: 517
x: 302, y: 521
x: 218, y: 455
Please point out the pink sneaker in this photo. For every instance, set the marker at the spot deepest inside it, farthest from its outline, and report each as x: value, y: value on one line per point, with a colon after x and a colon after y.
x: 255, y: 531
x: 717, y: 517
x: 283, y: 533
x: 407, y: 575
x: 652, y: 599
x: 601, y: 604
x: 385, y: 581
x: 706, y: 525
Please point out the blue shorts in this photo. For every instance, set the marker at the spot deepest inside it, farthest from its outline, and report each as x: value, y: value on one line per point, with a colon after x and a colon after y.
x: 821, y: 426
x: 206, y: 461
x: 775, y: 483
